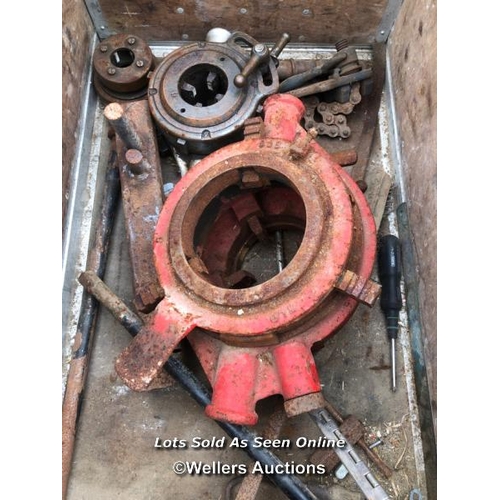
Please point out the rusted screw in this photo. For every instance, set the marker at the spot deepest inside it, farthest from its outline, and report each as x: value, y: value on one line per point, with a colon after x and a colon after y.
x: 139, y: 64
x: 111, y: 71
x: 103, y: 48
x: 131, y: 40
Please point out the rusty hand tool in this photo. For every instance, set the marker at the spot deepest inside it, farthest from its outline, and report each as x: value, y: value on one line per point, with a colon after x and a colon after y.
x: 142, y: 194
x: 291, y: 485
x: 389, y: 271
x: 77, y: 373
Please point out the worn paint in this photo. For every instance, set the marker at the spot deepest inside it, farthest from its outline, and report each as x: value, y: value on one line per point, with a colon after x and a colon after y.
x: 339, y: 236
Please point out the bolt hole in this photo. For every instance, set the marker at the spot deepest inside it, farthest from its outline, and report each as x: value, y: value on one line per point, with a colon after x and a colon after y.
x: 183, y: 110
x: 222, y: 59
x: 122, y: 58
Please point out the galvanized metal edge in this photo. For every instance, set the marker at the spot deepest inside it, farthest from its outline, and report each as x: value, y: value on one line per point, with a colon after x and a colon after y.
x: 393, y: 130
x: 98, y: 19
x: 79, y: 214
x: 388, y: 18
x: 295, y: 51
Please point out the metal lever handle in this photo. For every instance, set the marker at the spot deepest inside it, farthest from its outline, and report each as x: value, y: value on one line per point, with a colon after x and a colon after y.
x: 260, y: 55
x: 280, y: 45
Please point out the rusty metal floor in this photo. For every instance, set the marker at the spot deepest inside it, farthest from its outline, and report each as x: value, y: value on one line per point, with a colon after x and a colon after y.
x: 115, y: 456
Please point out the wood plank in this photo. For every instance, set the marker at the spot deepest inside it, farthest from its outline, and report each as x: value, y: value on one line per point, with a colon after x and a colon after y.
x: 311, y: 21
x: 412, y: 48
x: 76, y: 36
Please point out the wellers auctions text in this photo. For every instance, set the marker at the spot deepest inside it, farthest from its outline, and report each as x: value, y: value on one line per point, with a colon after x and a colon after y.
x: 258, y: 442
x: 218, y: 468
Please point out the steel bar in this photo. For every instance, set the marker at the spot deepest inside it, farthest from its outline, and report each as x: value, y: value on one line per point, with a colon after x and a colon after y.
x: 280, y: 255
x: 291, y: 486
x: 296, y: 81
x: 331, y: 83
x: 77, y: 373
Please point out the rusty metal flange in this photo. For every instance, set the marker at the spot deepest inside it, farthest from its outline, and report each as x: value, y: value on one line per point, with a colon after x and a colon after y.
x: 121, y: 64
x: 194, y: 99
x: 283, y: 312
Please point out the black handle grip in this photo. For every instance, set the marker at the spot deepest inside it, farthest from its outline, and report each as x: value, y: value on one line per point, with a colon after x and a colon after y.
x: 389, y: 272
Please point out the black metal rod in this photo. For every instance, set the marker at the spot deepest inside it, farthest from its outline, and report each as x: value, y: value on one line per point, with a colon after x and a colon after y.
x: 292, y: 486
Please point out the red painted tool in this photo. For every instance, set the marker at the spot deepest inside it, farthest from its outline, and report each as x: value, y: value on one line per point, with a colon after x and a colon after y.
x: 256, y: 341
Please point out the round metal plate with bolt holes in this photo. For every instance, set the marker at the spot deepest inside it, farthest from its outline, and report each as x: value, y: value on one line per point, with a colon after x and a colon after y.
x: 121, y: 64
x: 193, y: 97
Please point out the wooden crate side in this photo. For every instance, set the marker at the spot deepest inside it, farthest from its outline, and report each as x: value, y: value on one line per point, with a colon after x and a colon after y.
x: 77, y: 31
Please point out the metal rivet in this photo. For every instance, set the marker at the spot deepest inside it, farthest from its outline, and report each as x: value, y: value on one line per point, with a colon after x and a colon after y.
x: 185, y: 36
x: 205, y: 134
x: 152, y: 91
x: 382, y: 32
x: 139, y: 64
x: 103, y: 27
x: 306, y: 12
x: 179, y: 10
x: 302, y: 38
x: 243, y: 10
x: 103, y: 48
x: 131, y: 40
x: 111, y: 71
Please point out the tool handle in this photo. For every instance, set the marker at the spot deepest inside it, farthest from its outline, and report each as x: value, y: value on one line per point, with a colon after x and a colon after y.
x: 389, y: 272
